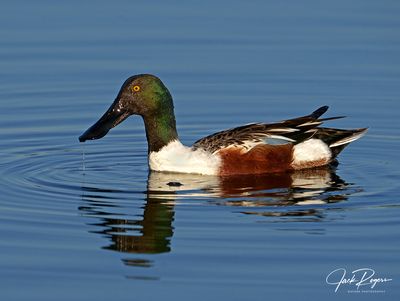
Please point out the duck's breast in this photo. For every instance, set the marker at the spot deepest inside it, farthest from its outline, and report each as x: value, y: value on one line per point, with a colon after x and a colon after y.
x: 176, y: 157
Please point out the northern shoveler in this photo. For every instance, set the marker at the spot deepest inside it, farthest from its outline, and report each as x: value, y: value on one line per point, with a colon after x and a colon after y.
x: 249, y: 149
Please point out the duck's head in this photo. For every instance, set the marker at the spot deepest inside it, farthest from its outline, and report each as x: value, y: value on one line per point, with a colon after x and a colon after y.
x: 143, y: 95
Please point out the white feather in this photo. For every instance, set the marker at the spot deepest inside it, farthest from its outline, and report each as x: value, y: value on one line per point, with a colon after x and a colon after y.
x: 278, y: 137
x: 284, y: 130
x: 310, y: 123
x: 349, y: 139
x: 176, y: 157
x: 247, y: 145
x: 311, y: 150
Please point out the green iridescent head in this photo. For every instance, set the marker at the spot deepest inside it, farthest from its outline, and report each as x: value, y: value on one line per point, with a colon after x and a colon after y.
x: 143, y: 95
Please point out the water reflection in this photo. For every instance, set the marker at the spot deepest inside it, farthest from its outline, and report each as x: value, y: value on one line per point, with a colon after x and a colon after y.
x: 148, y: 233
x: 296, y: 195
x: 303, y: 187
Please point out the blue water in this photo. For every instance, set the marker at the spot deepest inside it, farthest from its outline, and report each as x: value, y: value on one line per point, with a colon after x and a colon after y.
x: 88, y: 221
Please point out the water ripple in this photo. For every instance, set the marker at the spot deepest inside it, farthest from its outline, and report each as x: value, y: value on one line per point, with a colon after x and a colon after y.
x: 109, y: 183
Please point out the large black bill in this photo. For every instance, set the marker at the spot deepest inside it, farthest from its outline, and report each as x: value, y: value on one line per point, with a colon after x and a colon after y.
x: 110, y: 119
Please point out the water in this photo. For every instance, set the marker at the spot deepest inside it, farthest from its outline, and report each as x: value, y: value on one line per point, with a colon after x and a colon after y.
x: 88, y: 222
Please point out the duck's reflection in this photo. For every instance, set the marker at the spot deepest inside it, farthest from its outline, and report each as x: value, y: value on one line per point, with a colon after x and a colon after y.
x: 303, y: 187
x: 148, y: 232
x: 151, y: 230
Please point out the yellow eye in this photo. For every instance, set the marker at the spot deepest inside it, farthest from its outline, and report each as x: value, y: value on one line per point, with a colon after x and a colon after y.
x: 136, y: 88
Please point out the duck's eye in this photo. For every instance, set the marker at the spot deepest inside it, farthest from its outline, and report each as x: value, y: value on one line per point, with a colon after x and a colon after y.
x: 136, y: 88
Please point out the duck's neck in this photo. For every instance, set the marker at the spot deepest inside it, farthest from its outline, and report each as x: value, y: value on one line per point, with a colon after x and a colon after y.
x: 160, y: 129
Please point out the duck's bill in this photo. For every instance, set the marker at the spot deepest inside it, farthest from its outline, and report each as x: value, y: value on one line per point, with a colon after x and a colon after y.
x: 110, y: 119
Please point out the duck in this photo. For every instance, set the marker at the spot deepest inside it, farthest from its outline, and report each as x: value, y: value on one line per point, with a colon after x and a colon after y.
x: 255, y: 148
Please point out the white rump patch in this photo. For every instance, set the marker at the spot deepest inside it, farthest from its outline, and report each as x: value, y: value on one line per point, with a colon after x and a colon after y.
x: 176, y: 157
x: 311, y: 153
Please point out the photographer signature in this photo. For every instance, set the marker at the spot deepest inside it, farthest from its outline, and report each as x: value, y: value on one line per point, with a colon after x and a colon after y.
x: 359, y: 278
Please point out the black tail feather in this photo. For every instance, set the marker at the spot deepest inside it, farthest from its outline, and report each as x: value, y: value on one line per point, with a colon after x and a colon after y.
x: 331, y: 118
x: 318, y: 112
x: 338, y: 139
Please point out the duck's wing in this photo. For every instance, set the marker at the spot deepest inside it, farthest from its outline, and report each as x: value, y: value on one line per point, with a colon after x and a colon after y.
x: 247, y: 136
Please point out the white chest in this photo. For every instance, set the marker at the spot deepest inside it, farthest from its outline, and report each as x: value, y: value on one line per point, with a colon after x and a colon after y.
x: 175, y: 157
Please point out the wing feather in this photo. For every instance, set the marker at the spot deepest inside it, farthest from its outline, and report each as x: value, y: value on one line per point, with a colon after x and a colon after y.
x: 247, y: 136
